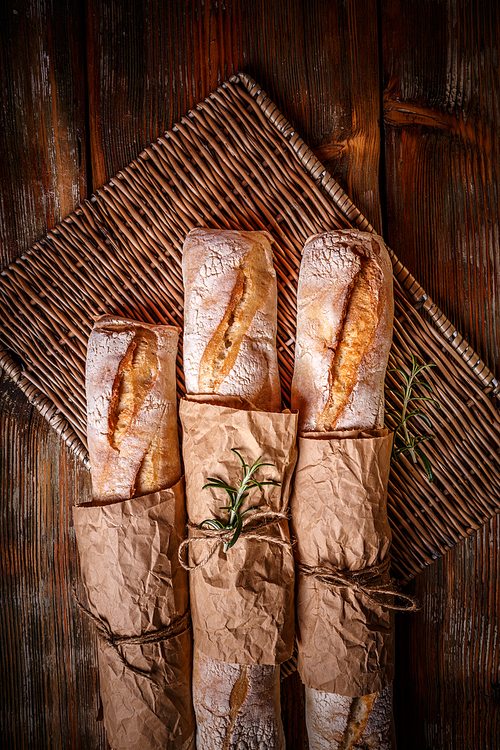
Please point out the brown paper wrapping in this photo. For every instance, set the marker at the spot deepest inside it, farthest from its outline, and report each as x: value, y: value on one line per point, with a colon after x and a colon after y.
x: 242, y: 601
x: 339, y: 518
x: 134, y: 583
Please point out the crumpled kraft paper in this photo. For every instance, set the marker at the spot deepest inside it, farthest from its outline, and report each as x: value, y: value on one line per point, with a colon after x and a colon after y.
x: 134, y: 583
x: 242, y: 600
x: 339, y: 518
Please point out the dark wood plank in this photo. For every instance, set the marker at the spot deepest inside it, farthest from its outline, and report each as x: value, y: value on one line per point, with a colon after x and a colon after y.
x: 441, y: 109
x: 48, y: 659
x: 149, y: 62
x: 42, y: 119
x: 448, y: 689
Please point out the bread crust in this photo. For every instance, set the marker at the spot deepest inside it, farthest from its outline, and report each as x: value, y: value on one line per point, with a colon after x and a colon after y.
x: 131, y: 408
x: 336, y: 722
x: 230, y: 292
x: 344, y: 331
x: 230, y: 316
x: 344, y: 334
x: 236, y: 706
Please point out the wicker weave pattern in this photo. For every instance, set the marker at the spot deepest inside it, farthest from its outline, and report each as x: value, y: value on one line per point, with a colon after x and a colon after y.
x: 235, y: 162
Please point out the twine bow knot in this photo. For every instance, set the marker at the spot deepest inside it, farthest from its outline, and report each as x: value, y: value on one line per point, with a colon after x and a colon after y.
x: 214, y: 538
x: 368, y: 581
x: 176, y: 627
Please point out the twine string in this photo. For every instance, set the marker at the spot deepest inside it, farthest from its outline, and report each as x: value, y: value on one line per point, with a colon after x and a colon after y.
x: 175, y: 628
x: 368, y: 581
x: 215, y: 538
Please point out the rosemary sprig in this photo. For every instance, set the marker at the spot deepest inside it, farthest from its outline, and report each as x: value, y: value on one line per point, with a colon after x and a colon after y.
x: 236, y: 497
x: 404, y: 442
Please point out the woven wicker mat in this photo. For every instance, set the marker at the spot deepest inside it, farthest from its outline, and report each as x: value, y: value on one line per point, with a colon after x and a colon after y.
x: 235, y: 162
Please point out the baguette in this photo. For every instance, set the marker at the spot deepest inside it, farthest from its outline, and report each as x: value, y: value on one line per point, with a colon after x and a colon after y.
x: 131, y: 408
x: 128, y: 537
x: 344, y: 334
x: 344, y: 331
x: 230, y: 316
x: 230, y: 350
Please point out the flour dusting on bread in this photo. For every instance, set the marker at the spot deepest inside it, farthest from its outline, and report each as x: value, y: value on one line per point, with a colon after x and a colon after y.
x: 131, y: 408
x: 344, y: 331
x: 230, y: 315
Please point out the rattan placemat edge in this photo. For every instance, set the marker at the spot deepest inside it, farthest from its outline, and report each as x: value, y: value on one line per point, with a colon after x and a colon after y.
x: 48, y: 409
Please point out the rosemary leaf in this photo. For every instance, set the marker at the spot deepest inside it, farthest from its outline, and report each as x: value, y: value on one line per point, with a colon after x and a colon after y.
x: 406, y: 441
x: 236, y: 497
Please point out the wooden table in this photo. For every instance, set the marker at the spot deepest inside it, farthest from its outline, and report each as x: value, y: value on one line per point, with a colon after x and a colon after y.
x: 401, y: 101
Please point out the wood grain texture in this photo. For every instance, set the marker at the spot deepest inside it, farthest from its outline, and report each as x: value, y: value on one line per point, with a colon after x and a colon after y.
x: 441, y: 110
x: 42, y: 119
x: 441, y: 115
x: 149, y: 62
x: 48, y: 659
x: 448, y: 687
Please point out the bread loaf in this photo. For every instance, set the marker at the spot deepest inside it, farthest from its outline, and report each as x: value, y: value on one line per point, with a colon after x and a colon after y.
x: 230, y: 349
x: 230, y: 316
x: 344, y: 334
x: 344, y: 331
x: 336, y: 722
x: 131, y: 408
x: 129, y: 543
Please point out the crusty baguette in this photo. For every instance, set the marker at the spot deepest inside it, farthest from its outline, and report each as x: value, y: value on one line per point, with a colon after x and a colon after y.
x: 344, y: 331
x: 230, y: 315
x: 230, y: 298
x: 336, y: 722
x: 129, y: 544
x: 344, y: 334
x: 131, y: 408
